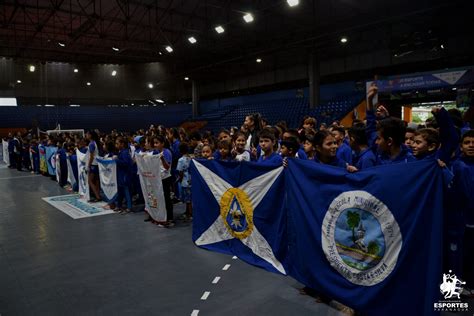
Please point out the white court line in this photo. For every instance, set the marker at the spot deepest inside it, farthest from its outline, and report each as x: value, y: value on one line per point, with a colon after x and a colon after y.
x: 234, y: 257
x: 10, y: 178
x: 195, y: 312
x: 205, y: 295
x: 216, y: 279
x: 226, y: 267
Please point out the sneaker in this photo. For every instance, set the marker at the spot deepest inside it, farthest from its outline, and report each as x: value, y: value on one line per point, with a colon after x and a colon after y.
x: 125, y: 211
x: 170, y: 224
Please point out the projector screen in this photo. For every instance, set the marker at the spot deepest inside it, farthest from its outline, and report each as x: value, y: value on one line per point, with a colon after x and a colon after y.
x: 8, y: 102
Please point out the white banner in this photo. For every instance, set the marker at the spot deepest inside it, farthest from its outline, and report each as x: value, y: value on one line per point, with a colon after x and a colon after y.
x: 108, y: 177
x: 82, y: 162
x: 70, y: 173
x: 58, y: 169
x: 6, y: 157
x: 150, y: 180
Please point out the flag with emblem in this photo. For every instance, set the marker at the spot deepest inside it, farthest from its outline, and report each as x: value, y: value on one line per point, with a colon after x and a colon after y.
x: 82, y: 173
x: 108, y: 178
x: 238, y: 209
x: 371, y: 240
x: 51, y: 159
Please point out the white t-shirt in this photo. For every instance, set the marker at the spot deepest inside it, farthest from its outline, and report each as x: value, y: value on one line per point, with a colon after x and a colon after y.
x: 245, y: 156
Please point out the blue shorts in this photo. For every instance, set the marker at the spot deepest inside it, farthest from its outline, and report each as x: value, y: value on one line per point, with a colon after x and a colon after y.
x: 186, y: 195
x: 94, y: 169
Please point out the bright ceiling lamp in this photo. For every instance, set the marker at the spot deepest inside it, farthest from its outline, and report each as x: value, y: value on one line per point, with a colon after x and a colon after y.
x: 248, y: 18
x: 192, y: 40
x: 116, y: 49
x: 169, y: 49
x: 293, y: 3
x: 32, y: 68
x: 150, y: 86
x: 114, y: 73
x: 219, y: 29
x: 344, y: 40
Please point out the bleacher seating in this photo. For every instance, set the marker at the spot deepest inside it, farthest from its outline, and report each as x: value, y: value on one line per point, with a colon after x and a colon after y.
x: 291, y: 110
x: 105, y: 118
x: 228, y: 112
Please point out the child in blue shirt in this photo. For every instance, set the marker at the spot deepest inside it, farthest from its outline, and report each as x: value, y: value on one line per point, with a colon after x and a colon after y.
x: 344, y: 151
x: 124, y: 168
x: 267, y: 144
x: 225, y: 148
x: 364, y: 157
x: 34, y: 150
x: 429, y: 143
x: 387, y: 139
x: 185, y: 180
x: 460, y: 215
x: 326, y: 148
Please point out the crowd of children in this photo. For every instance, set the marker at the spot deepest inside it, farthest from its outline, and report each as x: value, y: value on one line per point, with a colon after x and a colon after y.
x: 379, y: 140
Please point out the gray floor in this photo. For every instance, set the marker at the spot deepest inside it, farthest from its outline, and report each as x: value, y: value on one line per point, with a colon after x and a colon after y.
x: 51, y: 264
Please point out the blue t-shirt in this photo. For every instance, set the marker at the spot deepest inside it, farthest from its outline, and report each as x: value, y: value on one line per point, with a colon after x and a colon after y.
x: 344, y: 152
x: 274, y: 158
x: 365, y: 159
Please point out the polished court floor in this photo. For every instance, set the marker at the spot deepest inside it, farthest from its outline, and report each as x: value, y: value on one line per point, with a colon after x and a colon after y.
x: 116, y: 264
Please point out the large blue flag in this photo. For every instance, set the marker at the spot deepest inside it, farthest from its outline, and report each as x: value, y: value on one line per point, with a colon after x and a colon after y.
x: 239, y: 209
x: 51, y: 159
x: 371, y: 240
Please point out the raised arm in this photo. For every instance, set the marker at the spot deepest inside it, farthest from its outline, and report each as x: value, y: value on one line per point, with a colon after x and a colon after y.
x: 448, y: 136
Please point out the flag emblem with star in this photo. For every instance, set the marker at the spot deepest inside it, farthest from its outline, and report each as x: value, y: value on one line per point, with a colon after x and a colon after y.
x: 239, y: 209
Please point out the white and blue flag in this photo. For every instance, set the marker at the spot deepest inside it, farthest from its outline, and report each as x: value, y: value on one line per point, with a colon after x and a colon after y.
x: 239, y: 209
x: 108, y: 178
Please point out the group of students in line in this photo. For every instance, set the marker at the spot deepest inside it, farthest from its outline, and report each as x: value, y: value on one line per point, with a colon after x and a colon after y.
x: 379, y: 140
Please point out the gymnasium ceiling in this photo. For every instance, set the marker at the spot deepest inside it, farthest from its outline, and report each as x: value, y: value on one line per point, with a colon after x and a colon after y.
x: 86, y: 31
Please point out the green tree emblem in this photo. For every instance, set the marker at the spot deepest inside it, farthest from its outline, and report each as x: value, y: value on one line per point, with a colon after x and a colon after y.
x: 353, y: 219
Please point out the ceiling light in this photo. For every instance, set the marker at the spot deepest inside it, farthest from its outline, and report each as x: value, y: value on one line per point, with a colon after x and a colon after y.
x: 186, y: 78
x: 259, y: 60
x: 293, y: 3
x: 169, y: 49
x: 219, y: 29
x: 61, y: 44
x: 76, y: 70
x: 74, y: 105
x: 159, y: 101
x: 160, y: 53
x: 32, y: 68
x: 115, y: 49
x: 88, y: 83
x: 114, y: 73
x: 248, y: 18
x: 49, y: 105
x: 343, y: 39
x: 442, y: 46
x: 192, y: 40
x: 18, y: 81
x: 150, y: 85
x: 454, y: 89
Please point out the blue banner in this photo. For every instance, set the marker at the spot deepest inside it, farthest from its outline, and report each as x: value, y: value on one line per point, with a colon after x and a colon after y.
x: 239, y: 209
x: 371, y: 240
x: 425, y: 81
x: 51, y: 160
